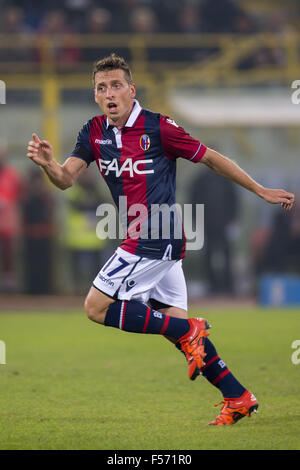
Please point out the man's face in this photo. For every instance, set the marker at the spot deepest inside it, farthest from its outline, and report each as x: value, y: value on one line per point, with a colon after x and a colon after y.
x: 114, y: 95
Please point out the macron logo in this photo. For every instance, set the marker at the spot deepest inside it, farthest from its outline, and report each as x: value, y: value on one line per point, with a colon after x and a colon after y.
x: 103, y: 142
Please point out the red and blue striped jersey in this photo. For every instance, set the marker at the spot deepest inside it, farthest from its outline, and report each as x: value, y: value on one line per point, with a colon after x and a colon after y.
x: 139, y: 162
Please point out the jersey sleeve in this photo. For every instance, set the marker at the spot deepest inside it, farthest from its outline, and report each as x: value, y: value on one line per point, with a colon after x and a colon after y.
x: 83, y: 148
x: 177, y: 142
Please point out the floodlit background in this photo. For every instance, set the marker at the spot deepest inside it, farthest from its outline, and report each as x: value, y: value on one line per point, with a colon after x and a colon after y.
x: 223, y: 69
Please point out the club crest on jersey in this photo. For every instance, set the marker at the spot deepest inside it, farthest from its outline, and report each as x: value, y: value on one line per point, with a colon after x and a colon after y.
x: 145, y: 142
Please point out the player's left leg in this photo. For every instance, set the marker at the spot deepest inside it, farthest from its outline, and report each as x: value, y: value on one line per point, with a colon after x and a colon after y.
x: 215, y: 370
x: 169, y: 297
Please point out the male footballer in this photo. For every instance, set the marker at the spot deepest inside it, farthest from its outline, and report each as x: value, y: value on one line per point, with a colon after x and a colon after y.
x: 142, y: 288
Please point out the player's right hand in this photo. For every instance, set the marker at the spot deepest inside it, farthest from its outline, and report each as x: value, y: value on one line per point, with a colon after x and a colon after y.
x: 39, y: 151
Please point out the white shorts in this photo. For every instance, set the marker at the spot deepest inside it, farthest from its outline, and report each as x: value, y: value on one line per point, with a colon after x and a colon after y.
x: 126, y: 277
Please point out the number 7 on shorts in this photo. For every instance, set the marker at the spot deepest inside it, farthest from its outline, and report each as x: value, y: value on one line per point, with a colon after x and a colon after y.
x: 123, y: 264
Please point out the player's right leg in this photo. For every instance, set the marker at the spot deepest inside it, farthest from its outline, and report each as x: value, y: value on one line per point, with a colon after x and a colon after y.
x: 136, y: 317
x: 106, y: 307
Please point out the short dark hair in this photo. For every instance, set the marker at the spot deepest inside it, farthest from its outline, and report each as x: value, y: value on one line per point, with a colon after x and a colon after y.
x: 112, y: 62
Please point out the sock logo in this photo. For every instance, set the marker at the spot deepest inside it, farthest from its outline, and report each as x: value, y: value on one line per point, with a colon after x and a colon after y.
x: 157, y: 315
x: 130, y: 284
x: 221, y: 363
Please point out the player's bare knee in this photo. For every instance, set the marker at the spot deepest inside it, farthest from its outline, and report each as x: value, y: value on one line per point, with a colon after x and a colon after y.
x: 94, y: 312
x: 96, y: 305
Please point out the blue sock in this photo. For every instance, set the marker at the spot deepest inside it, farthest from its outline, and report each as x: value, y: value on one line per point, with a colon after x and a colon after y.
x: 136, y: 317
x: 218, y: 374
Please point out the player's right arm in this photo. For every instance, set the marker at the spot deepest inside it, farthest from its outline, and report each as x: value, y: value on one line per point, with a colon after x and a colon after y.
x: 62, y: 176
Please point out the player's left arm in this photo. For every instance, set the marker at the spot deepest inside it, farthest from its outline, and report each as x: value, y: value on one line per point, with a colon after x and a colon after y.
x: 229, y: 169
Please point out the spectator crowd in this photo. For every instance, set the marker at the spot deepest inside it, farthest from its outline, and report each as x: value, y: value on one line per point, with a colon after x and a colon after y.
x: 66, y: 24
x: 74, y: 18
x: 138, y: 16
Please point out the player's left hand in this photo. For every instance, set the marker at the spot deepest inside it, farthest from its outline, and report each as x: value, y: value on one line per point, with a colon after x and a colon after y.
x: 279, y: 196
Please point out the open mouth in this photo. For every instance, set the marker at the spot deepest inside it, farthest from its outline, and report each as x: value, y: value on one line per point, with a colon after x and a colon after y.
x: 112, y: 106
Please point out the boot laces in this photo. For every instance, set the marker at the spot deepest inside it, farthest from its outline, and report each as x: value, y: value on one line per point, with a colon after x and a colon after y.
x: 223, y: 402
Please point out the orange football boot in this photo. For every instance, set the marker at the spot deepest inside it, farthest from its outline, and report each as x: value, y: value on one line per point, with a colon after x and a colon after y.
x: 234, y: 409
x: 192, y: 345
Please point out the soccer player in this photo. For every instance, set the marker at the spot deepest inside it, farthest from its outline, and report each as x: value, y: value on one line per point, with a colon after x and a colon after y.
x: 142, y: 288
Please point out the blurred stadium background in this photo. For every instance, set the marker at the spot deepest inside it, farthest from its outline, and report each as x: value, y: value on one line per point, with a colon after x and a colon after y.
x: 223, y: 69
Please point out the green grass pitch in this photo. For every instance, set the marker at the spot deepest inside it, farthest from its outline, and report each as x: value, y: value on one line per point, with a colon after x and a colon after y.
x: 71, y: 384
